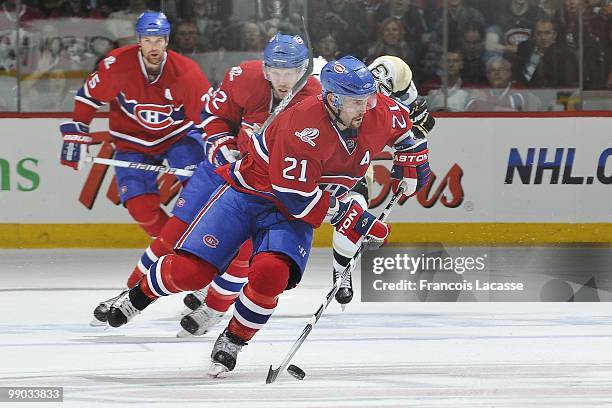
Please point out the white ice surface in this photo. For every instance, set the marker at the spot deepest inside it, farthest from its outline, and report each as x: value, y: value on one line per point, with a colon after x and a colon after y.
x: 372, y: 355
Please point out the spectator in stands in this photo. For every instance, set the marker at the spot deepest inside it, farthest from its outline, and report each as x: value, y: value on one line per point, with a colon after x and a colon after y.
x: 391, y: 42
x: 593, y: 36
x: 275, y: 17
x: 548, y: 8
x: 513, y: 25
x: 75, y: 8
x: 185, y: 39
x: 473, y: 50
x: 210, y: 16
x: 459, y: 15
x: 456, y: 97
x: 327, y: 47
x: 346, y: 19
x: 503, y: 94
x: 544, y: 62
x: 252, y: 38
x: 121, y: 23
x: 409, y: 15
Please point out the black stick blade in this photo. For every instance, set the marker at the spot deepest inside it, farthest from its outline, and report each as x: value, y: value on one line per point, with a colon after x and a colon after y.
x: 272, y: 375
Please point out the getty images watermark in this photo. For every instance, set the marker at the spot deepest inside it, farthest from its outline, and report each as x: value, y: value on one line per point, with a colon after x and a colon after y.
x: 431, y: 274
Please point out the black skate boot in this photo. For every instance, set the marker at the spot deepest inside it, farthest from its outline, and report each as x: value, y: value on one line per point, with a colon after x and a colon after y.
x: 100, y: 313
x: 224, y: 353
x: 199, y: 321
x: 129, y: 304
x: 195, y: 299
x: 345, y: 293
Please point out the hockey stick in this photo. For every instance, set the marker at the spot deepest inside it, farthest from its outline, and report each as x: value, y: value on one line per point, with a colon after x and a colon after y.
x: 140, y: 166
x: 273, y: 373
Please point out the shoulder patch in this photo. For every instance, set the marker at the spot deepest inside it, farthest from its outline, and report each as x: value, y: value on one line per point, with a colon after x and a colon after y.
x: 308, y: 135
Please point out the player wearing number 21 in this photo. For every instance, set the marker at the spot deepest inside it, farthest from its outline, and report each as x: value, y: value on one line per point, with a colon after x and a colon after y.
x: 293, y: 177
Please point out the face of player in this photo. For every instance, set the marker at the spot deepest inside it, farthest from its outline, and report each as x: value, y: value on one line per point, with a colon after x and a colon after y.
x: 352, y: 110
x: 153, y: 48
x: 282, y: 79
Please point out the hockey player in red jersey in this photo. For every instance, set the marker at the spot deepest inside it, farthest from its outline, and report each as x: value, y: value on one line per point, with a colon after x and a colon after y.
x: 293, y: 176
x: 245, y: 98
x: 155, y: 99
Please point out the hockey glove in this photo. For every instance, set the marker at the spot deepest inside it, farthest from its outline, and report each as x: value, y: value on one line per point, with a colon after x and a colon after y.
x: 76, y: 141
x: 410, y: 167
x: 352, y: 221
x: 422, y: 121
x: 221, y: 149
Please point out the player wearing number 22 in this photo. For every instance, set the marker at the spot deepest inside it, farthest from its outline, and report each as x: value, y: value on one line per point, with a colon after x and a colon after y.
x: 155, y: 100
x: 292, y: 178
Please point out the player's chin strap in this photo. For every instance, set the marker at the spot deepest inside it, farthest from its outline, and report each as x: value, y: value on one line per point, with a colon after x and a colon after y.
x: 273, y: 373
x: 336, y: 115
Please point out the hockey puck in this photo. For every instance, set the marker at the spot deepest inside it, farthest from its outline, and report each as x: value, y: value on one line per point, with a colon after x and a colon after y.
x: 296, y: 372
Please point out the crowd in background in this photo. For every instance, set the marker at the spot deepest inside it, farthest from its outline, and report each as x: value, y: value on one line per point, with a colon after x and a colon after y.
x: 514, y: 55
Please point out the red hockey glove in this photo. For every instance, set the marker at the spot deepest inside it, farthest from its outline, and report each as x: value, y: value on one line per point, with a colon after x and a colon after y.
x: 411, y: 168
x: 76, y: 141
x: 352, y: 221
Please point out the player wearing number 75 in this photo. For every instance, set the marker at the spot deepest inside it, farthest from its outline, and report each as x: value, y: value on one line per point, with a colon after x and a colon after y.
x: 155, y: 99
x: 293, y: 177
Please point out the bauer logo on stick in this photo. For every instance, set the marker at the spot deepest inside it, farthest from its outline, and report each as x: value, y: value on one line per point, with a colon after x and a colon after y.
x: 308, y: 135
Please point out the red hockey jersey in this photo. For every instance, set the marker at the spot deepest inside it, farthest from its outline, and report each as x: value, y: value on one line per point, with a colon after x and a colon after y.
x: 244, y: 99
x: 146, y: 116
x: 302, y: 158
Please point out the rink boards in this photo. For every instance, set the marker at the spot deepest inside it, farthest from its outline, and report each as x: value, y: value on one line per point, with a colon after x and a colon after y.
x: 497, y: 179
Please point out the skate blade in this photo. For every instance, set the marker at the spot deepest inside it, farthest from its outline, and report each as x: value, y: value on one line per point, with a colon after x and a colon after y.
x: 184, y: 334
x: 97, y: 323
x: 217, y: 370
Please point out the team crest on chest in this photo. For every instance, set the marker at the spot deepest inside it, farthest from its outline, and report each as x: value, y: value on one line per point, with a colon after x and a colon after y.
x: 154, y: 117
x: 308, y: 135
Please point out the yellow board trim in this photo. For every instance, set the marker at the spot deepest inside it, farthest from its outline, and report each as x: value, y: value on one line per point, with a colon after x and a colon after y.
x: 131, y: 236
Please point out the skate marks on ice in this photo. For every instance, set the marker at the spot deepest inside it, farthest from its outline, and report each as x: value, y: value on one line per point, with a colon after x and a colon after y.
x: 372, y: 355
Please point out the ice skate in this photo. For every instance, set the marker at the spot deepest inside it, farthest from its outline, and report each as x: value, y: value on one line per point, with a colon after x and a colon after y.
x: 199, y: 321
x: 129, y: 304
x: 345, y: 293
x: 194, y: 300
x: 100, y: 313
x: 224, y: 353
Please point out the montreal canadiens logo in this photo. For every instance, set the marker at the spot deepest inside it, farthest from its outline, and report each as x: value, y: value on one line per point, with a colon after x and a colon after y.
x: 308, y: 135
x: 339, y: 68
x: 211, y: 240
x: 154, y: 117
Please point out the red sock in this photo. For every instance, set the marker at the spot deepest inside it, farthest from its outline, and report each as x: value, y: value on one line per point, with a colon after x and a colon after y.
x: 147, y: 212
x: 238, y: 268
x: 177, y: 273
x: 269, y: 274
x: 162, y: 245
